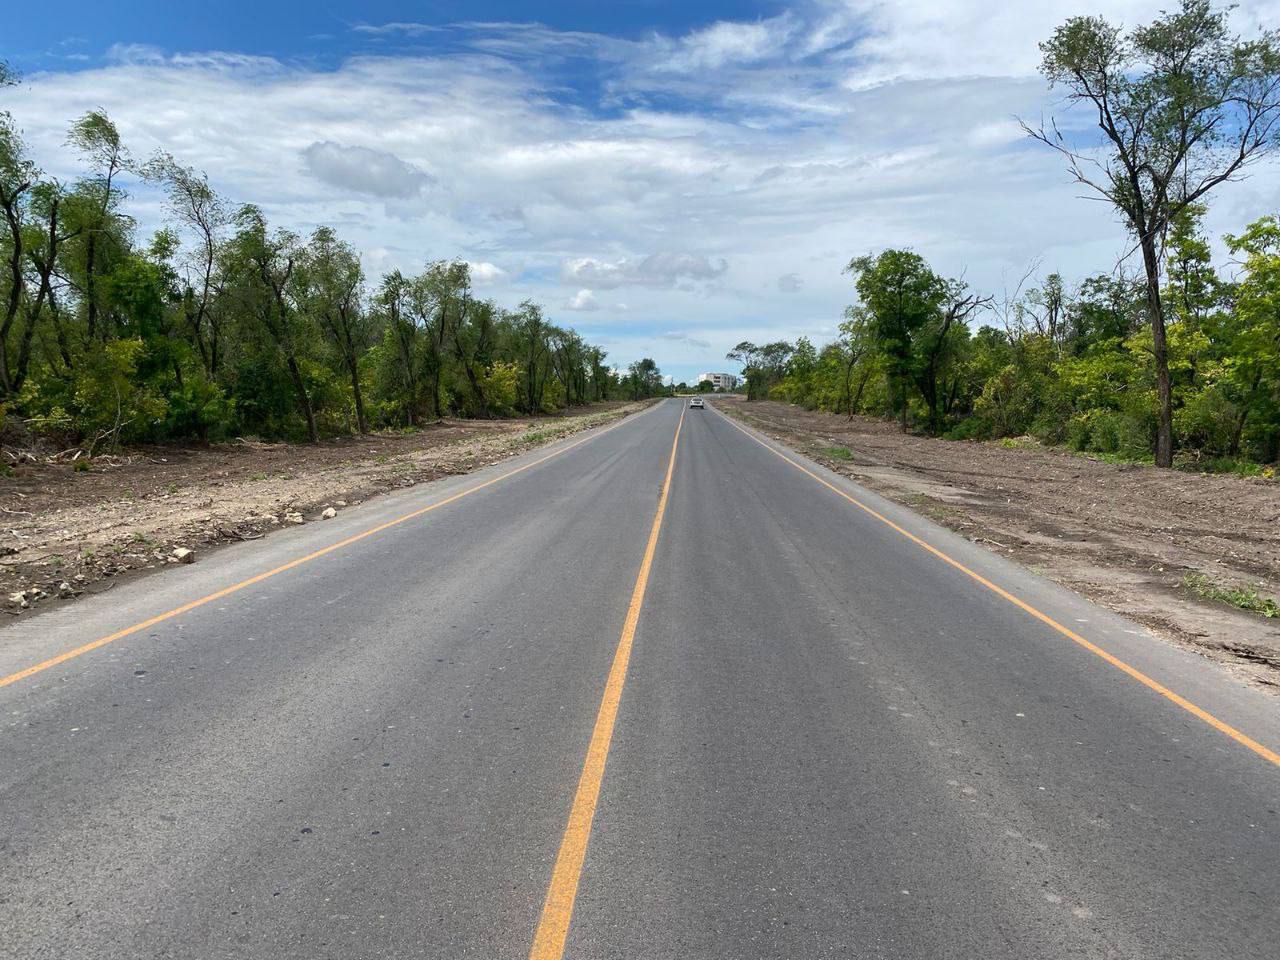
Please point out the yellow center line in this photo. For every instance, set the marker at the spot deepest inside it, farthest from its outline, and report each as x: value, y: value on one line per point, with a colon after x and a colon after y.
x: 557, y: 909
x: 258, y: 578
x: 1196, y: 711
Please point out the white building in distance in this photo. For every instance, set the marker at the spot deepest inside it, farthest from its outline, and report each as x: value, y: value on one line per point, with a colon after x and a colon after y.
x: 720, y: 381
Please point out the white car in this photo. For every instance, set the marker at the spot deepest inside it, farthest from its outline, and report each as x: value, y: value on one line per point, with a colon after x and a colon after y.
x: 695, y: 403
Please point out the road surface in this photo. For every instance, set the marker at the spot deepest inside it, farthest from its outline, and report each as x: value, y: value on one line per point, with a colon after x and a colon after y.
x: 595, y: 702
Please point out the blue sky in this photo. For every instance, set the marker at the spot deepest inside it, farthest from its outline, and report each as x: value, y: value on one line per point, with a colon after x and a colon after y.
x: 669, y: 178
x: 323, y: 30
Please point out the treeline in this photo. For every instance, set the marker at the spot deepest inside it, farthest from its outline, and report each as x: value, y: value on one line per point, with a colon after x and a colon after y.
x: 1072, y: 365
x: 221, y: 325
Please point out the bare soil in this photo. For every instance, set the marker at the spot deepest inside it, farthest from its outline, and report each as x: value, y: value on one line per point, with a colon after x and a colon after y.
x: 1125, y: 536
x: 66, y: 530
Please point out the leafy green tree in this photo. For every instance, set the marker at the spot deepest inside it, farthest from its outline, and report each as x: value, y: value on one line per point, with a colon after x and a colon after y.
x: 98, y: 141
x: 193, y: 202
x: 263, y: 263
x: 1253, y: 357
x: 328, y: 287
x: 17, y: 327
x: 902, y: 296
x: 528, y: 333
x: 644, y: 379
x: 762, y: 366
x: 402, y: 339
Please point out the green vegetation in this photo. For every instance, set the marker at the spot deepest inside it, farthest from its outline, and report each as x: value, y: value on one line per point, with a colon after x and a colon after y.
x: 222, y: 325
x: 1133, y: 366
x: 1246, y: 598
x: 839, y: 453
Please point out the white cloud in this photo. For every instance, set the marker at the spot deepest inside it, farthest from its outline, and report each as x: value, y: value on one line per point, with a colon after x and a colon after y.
x: 727, y: 42
x: 916, y: 39
x: 582, y: 300
x: 654, y: 270
x: 484, y: 273
x: 397, y: 28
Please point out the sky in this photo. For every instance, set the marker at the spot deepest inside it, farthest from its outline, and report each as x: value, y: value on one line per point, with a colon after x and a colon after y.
x: 669, y: 178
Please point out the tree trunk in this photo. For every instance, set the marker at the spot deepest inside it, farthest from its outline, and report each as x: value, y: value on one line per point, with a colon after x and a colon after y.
x: 477, y: 390
x: 435, y: 391
x: 353, y: 368
x: 1237, y: 432
x: 60, y: 333
x: 856, y: 401
x: 410, y: 377
x: 91, y: 300
x: 304, y: 399
x: 10, y: 204
x: 1160, y: 352
x: 848, y: 383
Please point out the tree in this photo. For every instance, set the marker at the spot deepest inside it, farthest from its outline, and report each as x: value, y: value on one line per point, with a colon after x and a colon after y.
x: 441, y: 292
x: 855, y: 348
x: 17, y: 176
x: 1193, y: 288
x: 1254, y: 357
x: 645, y: 379
x: 933, y: 350
x: 46, y: 205
x: 264, y: 263
x: 901, y: 295
x: 1044, y: 308
x: 529, y: 331
x: 473, y: 338
x: 98, y: 141
x: 403, y: 335
x: 329, y: 284
x: 568, y: 360
x: 762, y: 366
x: 199, y: 209
x: 601, y: 379
x: 1182, y: 106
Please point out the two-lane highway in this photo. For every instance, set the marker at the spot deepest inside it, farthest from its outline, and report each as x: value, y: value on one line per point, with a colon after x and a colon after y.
x: 661, y: 690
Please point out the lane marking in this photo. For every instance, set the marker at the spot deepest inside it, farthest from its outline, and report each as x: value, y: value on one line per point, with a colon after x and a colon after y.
x: 557, y: 909
x: 1199, y: 712
x: 258, y: 578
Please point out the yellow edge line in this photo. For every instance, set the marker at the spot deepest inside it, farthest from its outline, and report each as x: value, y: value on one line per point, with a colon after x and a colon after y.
x: 1191, y: 708
x: 258, y: 578
x: 557, y: 909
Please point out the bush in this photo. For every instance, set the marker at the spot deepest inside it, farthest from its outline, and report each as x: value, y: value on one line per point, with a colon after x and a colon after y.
x: 970, y: 428
x: 104, y: 402
x: 1110, y: 432
x: 501, y: 382
x: 200, y: 409
x: 1206, y: 422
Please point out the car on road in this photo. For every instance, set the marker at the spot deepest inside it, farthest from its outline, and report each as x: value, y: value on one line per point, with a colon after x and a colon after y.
x: 695, y: 403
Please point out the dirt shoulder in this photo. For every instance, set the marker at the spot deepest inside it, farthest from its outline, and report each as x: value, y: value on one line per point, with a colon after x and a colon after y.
x: 1143, y: 542
x: 66, y: 531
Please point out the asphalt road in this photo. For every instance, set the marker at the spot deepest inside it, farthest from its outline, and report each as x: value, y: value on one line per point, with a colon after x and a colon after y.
x: 831, y: 742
